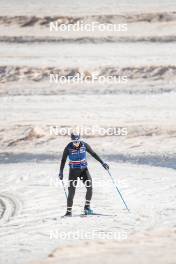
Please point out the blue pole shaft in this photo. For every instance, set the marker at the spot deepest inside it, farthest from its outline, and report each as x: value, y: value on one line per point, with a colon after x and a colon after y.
x: 118, y: 190
x: 64, y: 189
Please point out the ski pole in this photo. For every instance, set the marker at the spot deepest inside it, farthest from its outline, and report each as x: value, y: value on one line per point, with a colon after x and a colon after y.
x: 118, y: 190
x: 64, y: 189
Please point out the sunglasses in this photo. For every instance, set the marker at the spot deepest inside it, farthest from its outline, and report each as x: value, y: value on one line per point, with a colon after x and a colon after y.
x: 76, y: 141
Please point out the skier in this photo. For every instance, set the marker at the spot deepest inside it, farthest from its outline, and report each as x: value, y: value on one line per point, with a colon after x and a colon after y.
x: 76, y: 150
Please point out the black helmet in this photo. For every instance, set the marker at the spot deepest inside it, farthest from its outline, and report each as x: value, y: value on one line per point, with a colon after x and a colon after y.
x: 75, y: 136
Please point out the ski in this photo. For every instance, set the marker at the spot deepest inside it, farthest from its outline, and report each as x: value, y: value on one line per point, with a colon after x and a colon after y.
x: 87, y: 215
x: 95, y: 214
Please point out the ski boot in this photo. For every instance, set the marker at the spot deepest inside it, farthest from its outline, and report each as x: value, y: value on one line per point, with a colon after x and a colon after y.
x: 88, y: 211
x: 68, y: 213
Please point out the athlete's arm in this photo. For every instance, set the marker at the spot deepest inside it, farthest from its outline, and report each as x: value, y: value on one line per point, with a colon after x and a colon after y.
x: 92, y: 153
x: 63, y: 160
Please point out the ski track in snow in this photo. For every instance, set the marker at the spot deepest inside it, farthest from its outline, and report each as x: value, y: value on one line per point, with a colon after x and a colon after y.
x: 25, y: 227
x: 9, y: 207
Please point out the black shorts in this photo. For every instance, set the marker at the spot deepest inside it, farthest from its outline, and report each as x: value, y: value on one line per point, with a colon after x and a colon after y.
x: 82, y: 174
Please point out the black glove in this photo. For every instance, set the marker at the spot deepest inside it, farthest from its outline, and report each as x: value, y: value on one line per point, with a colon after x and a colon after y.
x: 106, y: 166
x: 61, y: 175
